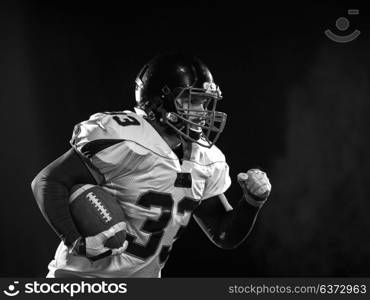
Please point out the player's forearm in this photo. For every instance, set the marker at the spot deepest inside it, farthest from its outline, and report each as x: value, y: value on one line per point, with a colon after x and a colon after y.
x: 236, y: 225
x: 227, y: 229
x: 52, y: 199
x: 51, y: 190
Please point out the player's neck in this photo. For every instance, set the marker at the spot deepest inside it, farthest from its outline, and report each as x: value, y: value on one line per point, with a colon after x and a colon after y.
x: 174, y: 142
x: 171, y: 140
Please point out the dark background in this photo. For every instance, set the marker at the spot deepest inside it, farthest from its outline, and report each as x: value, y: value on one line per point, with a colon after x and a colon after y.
x: 298, y: 106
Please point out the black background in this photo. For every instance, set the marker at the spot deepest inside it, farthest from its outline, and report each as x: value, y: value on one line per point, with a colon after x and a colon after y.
x: 298, y: 106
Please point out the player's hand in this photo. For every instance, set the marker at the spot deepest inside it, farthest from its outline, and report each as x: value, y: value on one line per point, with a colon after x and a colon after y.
x: 255, y: 185
x: 93, y: 246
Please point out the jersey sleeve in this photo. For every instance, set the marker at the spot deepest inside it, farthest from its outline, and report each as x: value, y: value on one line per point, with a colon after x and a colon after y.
x: 219, y: 180
x: 100, y: 141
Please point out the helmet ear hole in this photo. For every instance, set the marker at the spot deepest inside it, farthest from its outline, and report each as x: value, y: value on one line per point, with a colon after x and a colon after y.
x: 151, y: 115
x: 161, y: 111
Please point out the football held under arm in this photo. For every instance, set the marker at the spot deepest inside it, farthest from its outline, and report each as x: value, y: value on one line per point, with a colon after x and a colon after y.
x: 85, y: 163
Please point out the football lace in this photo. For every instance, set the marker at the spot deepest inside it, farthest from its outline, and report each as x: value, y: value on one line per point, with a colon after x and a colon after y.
x: 99, y: 207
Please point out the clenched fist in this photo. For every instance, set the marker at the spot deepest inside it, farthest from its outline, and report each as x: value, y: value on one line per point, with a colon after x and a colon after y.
x: 256, y: 186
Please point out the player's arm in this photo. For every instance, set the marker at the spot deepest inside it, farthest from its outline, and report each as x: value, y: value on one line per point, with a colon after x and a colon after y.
x: 51, y: 188
x: 226, y: 226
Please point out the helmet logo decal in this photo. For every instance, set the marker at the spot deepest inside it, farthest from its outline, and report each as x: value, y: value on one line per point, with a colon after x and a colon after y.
x: 210, y: 87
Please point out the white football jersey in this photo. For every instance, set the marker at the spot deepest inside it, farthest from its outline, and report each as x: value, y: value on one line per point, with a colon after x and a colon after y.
x: 157, y: 192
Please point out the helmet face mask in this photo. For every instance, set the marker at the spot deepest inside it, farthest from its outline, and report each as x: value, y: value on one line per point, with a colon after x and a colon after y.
x: 179, y: 90
x: 196, y: 112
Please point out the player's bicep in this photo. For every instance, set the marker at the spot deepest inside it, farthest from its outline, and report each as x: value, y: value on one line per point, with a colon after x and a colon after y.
x: 68, y: 169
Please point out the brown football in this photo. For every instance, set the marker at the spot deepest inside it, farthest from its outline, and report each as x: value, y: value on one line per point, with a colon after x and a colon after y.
x: 94, y: 210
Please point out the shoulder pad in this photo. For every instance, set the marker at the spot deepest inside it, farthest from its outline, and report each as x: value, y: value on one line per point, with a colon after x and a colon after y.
x: 114, y: 127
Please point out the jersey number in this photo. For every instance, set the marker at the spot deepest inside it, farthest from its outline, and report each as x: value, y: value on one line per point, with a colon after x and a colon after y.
x: 156, y: 227
x: 124, y: 120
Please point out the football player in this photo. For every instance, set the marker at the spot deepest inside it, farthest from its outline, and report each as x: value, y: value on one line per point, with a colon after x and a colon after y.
x: 162, y: 165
